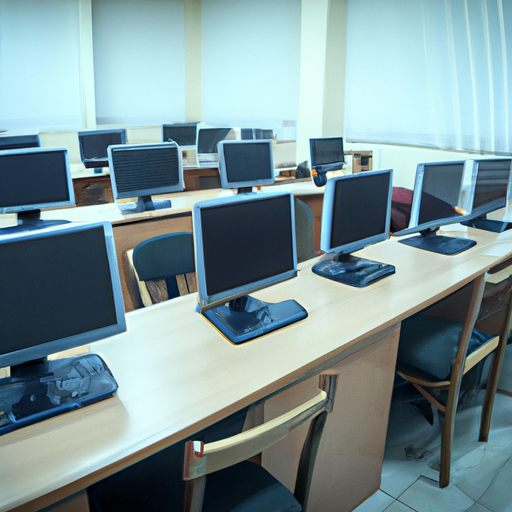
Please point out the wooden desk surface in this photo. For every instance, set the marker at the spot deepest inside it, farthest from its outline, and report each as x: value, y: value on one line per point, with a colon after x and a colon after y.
x: 176, y: 374
x: 131, y: 229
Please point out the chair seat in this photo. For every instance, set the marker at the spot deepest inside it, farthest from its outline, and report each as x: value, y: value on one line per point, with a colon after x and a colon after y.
x: 247, y: 487
x: 428, y: 345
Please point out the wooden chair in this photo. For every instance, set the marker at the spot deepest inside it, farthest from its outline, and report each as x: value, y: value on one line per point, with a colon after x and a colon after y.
x: 494, y: 318
x: 438, y: 347
x: 162, y: 268
x: 233, y: 482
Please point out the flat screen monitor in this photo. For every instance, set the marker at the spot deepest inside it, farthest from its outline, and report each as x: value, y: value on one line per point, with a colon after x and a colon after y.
x: 142, y: 170
x: 244, y: 243
x: 356, y: 212
x: 256, y: 133
x: 326, y: 155
x: 207, y: 140
x: 94, y: 144
x: 440, y: 197
x: 184, y: 134
x: 492, y: 191
x: 19, y: 141
x: 244, y: 164
x: 61, y: 290
x: 32, y: 179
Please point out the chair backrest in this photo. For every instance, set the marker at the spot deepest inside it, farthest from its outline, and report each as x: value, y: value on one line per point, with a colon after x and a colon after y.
x: 304, y: 231
x: 401, y: 202
x: 159, y: 267
x: 202, y: 459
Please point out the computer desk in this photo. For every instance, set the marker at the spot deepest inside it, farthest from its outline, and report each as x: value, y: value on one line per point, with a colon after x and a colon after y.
x: 177, y: 375
x: 131, y: 229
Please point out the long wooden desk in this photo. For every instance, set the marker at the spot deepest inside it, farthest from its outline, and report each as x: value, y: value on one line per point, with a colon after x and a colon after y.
x: 176, y: 375
x: 131, y: 229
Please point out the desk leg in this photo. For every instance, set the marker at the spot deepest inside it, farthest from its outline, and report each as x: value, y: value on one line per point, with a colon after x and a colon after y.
x: 349, y: 462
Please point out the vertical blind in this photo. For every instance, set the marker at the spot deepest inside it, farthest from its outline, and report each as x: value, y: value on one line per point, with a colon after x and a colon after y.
x: 39, y: 65
x: 251, y: 62
x: 139, y: 61
x: 432, y: 73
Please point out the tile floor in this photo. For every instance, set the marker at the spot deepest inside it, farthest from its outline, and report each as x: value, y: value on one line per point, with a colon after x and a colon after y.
x: 481, y: 473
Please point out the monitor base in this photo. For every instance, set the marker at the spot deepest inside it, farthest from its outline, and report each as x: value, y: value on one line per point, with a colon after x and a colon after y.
x: 247, y: 318
x: 64, y: 385
x: 31, y: 220
x: 440, y: 244
x: 352, y: 270
x: 494, y: 225
x: 144, y: 204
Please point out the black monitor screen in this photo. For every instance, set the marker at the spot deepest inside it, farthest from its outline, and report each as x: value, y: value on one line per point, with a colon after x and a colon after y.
x: 208, y: 138
x: 60, y: 289
x: 326, y: 151
x: 246, y: 242
x: 19, y: 141
x: 245, y: 163
x: 492, y: 183
x: 440, y: 191
x: 183, y: 134
x: 360, y: 209
x: 34, y: 178
x: 145, y: 169
x: 94, y: 145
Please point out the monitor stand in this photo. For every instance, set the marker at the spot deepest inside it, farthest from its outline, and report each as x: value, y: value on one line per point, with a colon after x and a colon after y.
x: 31, y: 220
x: 246, y: 318
x: 352, y: 270
x: 486, y: 224
x: 144, y: 204
x: 429, y: 240
x: 43, y: 389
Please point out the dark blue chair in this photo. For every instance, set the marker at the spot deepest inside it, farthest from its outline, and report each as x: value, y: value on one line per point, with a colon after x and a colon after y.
x: 162, y: 268
x: 438, y: 346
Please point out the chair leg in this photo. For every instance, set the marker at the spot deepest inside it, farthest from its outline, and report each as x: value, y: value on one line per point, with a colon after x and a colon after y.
x: 447, y: 436
x: 194, y: 494
x: 490, y: 392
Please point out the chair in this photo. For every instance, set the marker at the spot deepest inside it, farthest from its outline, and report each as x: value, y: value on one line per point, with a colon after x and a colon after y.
x: 162, y: 268
x: 401, y: 202
x: 304, y: 231
x: 234, y: 483
x: 439, y: 346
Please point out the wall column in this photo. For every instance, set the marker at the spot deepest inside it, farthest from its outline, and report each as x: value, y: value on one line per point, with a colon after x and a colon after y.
x: 193, y: 61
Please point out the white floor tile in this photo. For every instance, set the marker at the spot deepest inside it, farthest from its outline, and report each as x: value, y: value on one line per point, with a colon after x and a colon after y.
x: 478, y: 508
x: 376, y: 503
x: 498, y: 498
x: 426, y: 496
x: 396, y: 506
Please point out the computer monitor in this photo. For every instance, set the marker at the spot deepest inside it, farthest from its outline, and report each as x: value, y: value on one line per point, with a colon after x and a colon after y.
x: 356, y: 212
x: 326, y: 155
x: 61, y: 290
x: 256, y: 133
x: 440, y: 197
x: 244, y: 243
x: 19, y: 141
x: 142, y: 170
x: 32, y: 179
x: 184, y: 134
x: 244, y: 164
x: 492, y: 191
x: 94, y: 144
x: 207, y: 140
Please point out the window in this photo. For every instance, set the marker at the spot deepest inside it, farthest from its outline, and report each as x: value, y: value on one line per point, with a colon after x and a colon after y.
x: 139, y: 61
x: 251, y: 62
x: 433, y: 73
x: 39, y: 56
